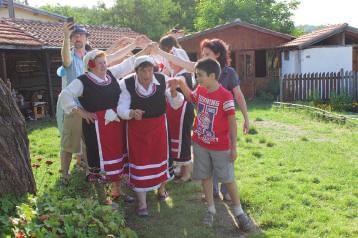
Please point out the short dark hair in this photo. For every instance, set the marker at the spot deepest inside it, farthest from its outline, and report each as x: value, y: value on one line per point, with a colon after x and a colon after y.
x: 166, y: 43
x: 218, y: 47
x: 144, y: 65
x: 210, y: 66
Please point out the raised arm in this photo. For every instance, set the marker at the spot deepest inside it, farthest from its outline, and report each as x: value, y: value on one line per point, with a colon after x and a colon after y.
x: 140, y: 42
x: 66, y: 47
x: 188, y: 65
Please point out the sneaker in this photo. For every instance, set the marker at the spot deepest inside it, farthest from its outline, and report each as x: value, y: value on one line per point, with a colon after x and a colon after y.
x: 245, y: 223
x: 209, y: 219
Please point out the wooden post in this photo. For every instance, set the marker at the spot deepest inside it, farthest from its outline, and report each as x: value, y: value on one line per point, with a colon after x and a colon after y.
x: 48, y: 72
x: 355, y: 86
x: 10, y: 6
x: 281, y: 84
x: 3, y: 59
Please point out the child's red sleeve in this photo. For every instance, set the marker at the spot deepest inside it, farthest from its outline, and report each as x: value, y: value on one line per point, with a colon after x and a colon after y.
x: 229, y: 105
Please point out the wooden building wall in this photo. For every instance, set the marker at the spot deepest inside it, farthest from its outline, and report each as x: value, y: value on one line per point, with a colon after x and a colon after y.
x: 246, y: 45
x: 238, y: 38
x: 28, y: 73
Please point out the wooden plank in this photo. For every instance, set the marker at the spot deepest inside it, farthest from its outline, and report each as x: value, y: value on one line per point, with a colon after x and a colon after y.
x: 304, y: 82
x: 4, y: 72
x: 326, y: 86
x: 355, y: 86
x: 49, y: 80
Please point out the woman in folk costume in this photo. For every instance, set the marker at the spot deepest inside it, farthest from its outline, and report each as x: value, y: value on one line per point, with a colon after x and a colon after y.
x: 143, y: 103
x: 104, y: 133
x: 180, y: 120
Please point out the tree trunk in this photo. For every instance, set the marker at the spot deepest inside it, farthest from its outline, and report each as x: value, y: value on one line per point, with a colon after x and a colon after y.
x: 15, y: 165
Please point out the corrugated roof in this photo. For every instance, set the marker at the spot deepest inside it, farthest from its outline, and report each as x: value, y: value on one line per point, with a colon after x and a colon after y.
x: 314, y: 37
x: 50, y: 34
x: 237, y: 22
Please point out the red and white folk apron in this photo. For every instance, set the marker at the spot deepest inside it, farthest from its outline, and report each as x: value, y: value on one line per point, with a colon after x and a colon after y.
x: 111, y: 147
x: 148, y: 151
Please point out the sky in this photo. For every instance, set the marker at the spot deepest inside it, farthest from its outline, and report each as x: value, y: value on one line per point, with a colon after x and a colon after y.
x: 311, y: 12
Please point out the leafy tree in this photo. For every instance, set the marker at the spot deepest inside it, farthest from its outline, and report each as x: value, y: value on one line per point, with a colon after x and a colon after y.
x: 151, y: 17
x: 81, y: 15
x: 185, y: 15
x: 267, y: 13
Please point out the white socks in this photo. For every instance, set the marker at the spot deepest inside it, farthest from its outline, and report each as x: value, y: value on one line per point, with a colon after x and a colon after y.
x: 212, y: 209
x: 238, y: 210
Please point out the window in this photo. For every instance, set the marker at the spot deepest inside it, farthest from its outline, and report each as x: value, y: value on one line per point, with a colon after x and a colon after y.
x: 193, y: 57
x: 260, y: 63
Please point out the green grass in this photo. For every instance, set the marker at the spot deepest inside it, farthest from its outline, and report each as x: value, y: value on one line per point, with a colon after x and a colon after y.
x: 297, y: 178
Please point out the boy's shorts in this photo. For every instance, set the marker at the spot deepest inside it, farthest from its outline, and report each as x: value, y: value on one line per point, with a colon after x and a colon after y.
x: 72, y: 133
x: 209, y: 162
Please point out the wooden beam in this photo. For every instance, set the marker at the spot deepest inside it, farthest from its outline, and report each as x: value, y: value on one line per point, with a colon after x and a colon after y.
x: 48, y: 72
x: 4, y: 72
x: 10, y: 7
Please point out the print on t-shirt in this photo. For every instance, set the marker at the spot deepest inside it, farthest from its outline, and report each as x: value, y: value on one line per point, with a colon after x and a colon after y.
x: 207, y: 109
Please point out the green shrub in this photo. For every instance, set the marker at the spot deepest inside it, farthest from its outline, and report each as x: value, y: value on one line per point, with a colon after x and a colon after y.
x: 252, y: 130
x: 341, y: 102
x: 315, y: 98
x: 265, y: 96
x: 354, y: 107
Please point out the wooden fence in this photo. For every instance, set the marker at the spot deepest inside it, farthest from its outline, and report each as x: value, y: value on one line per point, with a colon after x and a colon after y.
x: 303, y: 87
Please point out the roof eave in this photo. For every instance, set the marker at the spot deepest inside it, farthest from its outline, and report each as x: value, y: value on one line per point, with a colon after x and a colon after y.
x: 38, y: 11
x: 236, y: 23
x: 19, y: 47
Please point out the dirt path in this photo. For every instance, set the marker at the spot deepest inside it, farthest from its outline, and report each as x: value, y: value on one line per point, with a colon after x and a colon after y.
x: 182, y: 216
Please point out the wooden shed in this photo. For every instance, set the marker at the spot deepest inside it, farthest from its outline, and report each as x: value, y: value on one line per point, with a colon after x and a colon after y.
x: 253, y: 51
x: 30, y: 53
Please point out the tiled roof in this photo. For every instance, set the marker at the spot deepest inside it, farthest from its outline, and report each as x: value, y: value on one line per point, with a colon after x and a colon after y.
x: 237, y: 22
x: 10, y: 35
x: 51, y: 33
x: 316, y: 36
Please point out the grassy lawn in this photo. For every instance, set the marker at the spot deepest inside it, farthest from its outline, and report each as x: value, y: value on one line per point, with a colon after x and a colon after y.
x: 297, y: 177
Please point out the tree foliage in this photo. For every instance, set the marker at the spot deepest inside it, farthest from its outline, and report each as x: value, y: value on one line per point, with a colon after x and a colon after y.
x: 272, y: 14
x: 156, y: 17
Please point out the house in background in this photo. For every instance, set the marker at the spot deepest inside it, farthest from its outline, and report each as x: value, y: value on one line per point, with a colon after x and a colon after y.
x: 330, y: 49
x: 254, y: 52
x: 30, y: 53
x: 23, y: 11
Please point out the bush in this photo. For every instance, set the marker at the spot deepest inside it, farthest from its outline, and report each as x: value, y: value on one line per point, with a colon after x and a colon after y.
x: 265, y: 96
x: 253, y: 130
x: 341, y: 102
x: 315, y: 98
x: 324, y: 106
x: 354, y: 107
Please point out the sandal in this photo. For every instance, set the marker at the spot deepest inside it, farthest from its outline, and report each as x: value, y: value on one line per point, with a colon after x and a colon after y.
x: 181, y: 180
x: 125, y: 197
x: 163, y: 196
x: 143, y: 212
